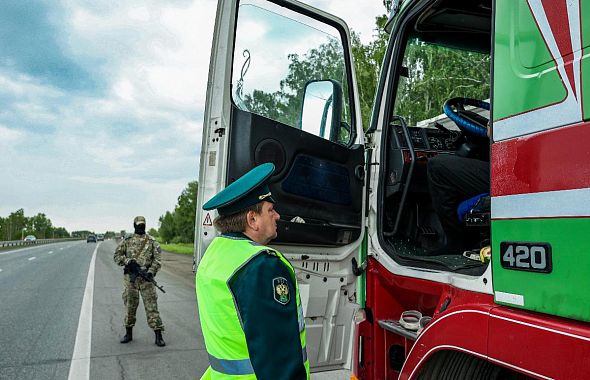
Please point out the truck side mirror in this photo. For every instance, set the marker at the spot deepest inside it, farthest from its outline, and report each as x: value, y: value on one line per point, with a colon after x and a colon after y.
x: 321, y: 112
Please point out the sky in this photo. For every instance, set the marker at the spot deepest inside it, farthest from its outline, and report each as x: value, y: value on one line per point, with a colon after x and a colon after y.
x: 102, y: 104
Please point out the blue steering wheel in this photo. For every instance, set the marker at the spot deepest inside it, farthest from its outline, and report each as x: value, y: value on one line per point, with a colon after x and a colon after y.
x: 469, y: 122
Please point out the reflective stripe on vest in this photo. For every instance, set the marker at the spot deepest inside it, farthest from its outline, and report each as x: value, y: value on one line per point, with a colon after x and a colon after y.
x: 300, y: 318
x: 231, y: 367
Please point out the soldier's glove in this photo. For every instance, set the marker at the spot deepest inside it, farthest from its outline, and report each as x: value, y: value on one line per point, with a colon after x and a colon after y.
x: 149, y: 276
x: 132, y: 265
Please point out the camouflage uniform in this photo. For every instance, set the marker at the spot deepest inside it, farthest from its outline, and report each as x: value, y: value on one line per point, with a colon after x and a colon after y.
x: 149, y: 259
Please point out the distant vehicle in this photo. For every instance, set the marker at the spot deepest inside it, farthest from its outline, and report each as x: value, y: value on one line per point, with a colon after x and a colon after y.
x: 91, y: 239
x: 100, y: 237
x: 30, y: 238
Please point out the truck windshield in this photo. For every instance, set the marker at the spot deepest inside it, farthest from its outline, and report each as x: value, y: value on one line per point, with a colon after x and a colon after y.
x: 435, y: 74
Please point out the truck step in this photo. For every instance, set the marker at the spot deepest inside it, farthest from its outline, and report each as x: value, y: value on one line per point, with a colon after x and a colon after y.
x: 396, y: 328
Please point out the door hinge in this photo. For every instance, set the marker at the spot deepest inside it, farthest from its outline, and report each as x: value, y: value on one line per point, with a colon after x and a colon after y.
x: 356, y: 269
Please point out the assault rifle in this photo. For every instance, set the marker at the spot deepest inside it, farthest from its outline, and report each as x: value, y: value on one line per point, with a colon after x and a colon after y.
x: 135, y: 271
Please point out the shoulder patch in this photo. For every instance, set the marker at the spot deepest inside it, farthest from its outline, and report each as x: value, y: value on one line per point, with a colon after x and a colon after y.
x: 281, y: 290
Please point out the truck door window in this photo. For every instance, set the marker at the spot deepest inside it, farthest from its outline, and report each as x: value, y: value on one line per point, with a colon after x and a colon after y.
x: 278, y: 54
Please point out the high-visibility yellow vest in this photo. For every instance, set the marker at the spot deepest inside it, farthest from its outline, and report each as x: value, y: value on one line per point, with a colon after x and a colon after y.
x: 224, y: 337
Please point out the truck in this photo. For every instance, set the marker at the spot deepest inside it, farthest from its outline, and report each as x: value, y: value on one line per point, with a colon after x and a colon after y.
x: 357, y: 216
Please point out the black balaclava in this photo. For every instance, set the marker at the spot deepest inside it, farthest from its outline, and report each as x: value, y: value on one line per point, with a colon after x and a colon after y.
x: 139, y: 228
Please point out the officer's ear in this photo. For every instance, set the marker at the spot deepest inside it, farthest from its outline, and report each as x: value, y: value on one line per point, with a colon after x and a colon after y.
x: 252, y: 220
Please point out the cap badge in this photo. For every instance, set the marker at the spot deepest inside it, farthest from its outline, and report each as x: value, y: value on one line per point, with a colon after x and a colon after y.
x: 264, y: 196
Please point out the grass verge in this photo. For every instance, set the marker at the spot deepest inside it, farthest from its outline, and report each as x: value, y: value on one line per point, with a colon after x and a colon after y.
x: 183, y: 248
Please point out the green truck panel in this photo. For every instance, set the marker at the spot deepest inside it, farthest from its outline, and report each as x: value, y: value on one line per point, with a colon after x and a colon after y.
x: 562, y: 292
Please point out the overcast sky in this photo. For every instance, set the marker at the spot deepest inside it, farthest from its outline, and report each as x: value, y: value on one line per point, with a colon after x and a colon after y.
x: 102, y: 104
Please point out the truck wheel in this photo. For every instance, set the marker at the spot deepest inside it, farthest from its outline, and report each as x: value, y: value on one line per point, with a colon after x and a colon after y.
x: 454, y: 365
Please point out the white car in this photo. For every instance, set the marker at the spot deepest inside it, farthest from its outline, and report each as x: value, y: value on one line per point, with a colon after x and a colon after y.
x: 31, y: 238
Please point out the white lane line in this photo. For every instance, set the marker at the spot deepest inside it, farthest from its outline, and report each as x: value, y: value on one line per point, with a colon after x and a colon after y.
x: 32, y: 258
x: 61, y: 249
x: 50, y: 252
x: 0, y: 269
x: 80, y: 365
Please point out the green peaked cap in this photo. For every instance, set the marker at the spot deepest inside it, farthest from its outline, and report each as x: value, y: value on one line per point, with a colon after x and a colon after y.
x: 246, y: 191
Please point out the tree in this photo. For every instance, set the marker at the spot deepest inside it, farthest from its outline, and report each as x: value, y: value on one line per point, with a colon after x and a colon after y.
x: 153, y: 232
x: 15, y: 225
x: 185, y: 213
x: 436, y: 74
x: 324, y: 62
x: 81, y: 234
x: 42, y: 226
x: 167, y: 230
x: 60, y: 232
x: 179, y: 226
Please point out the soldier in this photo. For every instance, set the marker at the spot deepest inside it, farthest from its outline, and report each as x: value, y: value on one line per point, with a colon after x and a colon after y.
x: 248, y: 297
x: 140, y: 250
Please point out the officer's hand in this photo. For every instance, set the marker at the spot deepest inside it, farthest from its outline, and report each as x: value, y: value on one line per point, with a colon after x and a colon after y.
x: 150, y: 276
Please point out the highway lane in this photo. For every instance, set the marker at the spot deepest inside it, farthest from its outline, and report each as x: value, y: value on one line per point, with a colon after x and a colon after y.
x: 41, y: 289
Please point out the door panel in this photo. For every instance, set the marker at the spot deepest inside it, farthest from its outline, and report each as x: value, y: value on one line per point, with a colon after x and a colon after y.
x: 317, y: 180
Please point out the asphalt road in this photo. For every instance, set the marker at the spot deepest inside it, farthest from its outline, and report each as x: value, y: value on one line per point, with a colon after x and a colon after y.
x: 62, y: 318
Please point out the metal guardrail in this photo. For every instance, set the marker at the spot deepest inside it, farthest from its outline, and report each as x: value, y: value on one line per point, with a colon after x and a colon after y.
x: 15, y: 243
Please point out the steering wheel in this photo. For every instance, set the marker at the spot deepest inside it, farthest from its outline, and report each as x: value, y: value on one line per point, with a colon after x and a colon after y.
x: 468, y: 122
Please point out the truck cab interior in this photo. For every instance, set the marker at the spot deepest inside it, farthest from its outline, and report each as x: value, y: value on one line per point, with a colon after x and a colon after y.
x: 441, y: 66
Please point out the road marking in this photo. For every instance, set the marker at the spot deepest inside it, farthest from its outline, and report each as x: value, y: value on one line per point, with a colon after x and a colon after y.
x: 0, y: 269
x: 80, y: 365
x: 61, y: 249
x: 32, y: 258
x: 50, y: 252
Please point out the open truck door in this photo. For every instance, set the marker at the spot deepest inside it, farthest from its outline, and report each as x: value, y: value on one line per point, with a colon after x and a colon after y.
x: 281, y: 89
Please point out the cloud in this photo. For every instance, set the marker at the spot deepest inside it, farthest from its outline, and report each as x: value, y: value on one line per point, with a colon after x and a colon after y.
x: 32, y: 44
x: 9, y: 136
x: 102, y: 106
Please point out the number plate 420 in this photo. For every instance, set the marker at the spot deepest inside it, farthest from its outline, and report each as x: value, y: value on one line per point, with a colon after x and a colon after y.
x: 532, y: 257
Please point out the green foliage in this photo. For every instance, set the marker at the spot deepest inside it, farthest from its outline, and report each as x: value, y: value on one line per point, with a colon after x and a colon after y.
x: 185, y: 213
x: 367, y: 65
x: 16, y: 225
x: 81, y: 234
x: 60, y: 232
x: 324, y: 62
x: 42, y: 225
x: 183, y: 248
x: 153, y: 232
x: 179, y: 226
x: 436, y: 74
x: 166, y: 230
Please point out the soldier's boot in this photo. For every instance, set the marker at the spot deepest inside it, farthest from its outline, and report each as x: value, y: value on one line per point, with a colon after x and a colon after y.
x: 128, y: 336
x: 159, y: 341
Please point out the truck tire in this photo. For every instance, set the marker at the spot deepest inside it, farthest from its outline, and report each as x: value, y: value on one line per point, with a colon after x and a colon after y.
x: 455, y: 365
